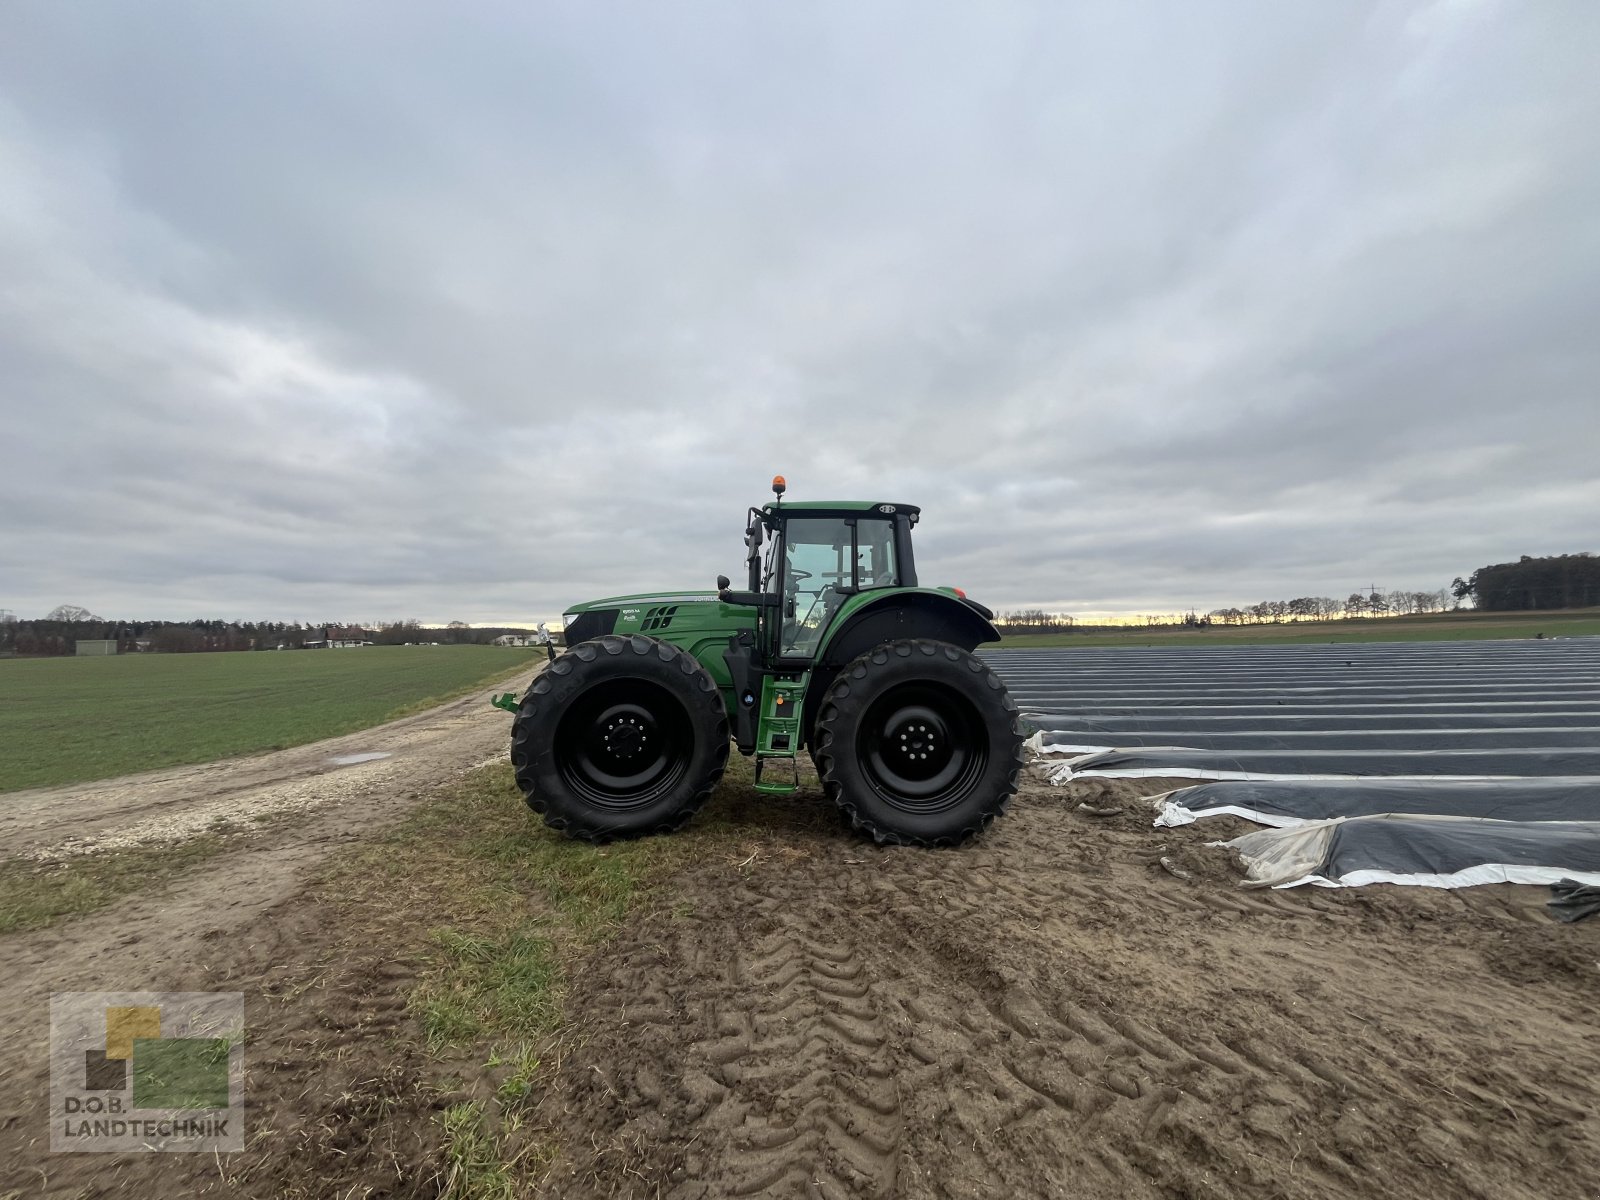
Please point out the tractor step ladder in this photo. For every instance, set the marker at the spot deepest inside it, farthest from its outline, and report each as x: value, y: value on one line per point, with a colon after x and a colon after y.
x: 778, y: 787
x: 778, y: 735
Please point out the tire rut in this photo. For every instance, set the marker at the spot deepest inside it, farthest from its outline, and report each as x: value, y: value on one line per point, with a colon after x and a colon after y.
x: 1046, y: 1012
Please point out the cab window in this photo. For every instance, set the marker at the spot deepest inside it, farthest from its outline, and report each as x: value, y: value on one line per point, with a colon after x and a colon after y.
x: 875, y: 554
x: 824, y: 560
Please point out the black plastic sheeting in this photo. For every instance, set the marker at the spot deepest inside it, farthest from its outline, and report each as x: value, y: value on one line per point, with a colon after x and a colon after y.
x: 1432, y: 709
x: 1285, y: 721
x: 1426, y: 851
x: 1392, y: 683
x: 1294, y: 803
x: 1180, y: 763
x: 1295, y: 741
x: 1571, y: 900
x: 1440, y: 763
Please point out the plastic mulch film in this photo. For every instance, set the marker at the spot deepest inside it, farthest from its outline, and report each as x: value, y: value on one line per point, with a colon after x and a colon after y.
x: 1185, y: 763
x: 1296, y: 802
x: 1420, y: 851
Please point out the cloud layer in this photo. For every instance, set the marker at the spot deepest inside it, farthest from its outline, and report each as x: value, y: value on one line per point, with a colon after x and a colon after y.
x: 385, y: 311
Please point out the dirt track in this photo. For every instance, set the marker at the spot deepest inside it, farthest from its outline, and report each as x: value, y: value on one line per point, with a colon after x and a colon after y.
x: 1046, y: 1013
x: 226, y: 914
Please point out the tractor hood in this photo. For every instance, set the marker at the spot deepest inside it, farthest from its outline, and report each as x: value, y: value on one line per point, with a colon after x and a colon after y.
x: 659, y: 614
x: 644, y: 598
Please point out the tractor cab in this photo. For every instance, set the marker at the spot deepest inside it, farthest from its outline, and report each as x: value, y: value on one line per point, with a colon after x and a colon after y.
x: 819, y: 556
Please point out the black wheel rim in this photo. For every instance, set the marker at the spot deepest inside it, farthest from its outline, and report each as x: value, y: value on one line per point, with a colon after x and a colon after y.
x: 624, y: 744
x: 921, y: 746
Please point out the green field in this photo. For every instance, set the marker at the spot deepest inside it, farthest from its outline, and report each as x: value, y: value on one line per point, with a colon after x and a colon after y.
x: 64, y: 720
x: 1441, y: 627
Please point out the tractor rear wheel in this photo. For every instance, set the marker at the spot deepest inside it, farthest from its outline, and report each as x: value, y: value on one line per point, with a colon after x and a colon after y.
x: 620, y: 736
x: 919, y: 743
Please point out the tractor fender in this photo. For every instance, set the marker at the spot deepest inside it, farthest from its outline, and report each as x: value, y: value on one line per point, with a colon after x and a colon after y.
x: 923, y: 613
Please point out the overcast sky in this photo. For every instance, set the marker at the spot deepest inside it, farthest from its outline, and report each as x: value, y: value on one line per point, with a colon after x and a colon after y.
x: 373, y: 311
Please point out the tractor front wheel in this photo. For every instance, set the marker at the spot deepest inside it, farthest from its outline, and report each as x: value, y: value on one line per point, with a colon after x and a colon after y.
x: 919, y: 743
x: 620, y: 736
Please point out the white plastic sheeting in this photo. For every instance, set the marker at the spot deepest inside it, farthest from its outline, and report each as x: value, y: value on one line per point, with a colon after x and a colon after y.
x: 1420, y: 851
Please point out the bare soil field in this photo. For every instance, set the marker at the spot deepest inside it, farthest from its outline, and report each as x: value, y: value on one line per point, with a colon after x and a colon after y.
x: 1052, y: 1013
x: 1048, y: 1012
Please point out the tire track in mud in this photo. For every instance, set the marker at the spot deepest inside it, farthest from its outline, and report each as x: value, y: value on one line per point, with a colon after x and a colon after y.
x: 814, y: 1049
x: 770, y: 1068
x: 803, y: 1058
x: 1041, y: 1061
x: 1045, y: 1012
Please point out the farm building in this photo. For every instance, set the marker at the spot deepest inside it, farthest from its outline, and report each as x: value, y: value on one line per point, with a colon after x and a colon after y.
x: 92, y: 646
x: 337, y: 637
x: 537, y: 637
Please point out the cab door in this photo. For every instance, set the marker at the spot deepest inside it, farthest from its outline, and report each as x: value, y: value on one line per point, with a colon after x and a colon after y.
x: 821, y: 561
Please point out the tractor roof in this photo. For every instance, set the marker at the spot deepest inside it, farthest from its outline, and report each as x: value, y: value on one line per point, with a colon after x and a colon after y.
x: 845, y: 507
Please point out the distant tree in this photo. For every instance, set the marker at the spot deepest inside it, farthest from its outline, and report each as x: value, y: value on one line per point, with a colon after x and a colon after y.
x: 1034, y: 620
x: 397, y: 632
x: 1555, y: 581
x: 177, y: 639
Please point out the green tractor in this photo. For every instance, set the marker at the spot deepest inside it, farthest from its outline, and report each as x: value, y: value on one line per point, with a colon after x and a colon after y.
x: 833, y: 648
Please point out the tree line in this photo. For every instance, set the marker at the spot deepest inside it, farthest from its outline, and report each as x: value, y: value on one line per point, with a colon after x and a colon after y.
x: 62, y: 628
x: 1555, y: 581
x: 1375, y: 603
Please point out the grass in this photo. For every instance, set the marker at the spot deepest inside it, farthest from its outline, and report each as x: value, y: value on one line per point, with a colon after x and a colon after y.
x: 476, y: 1169
x: 522, y: 902
x: 33, y: 895
x: 1440, y: 627
x: 67, y: 720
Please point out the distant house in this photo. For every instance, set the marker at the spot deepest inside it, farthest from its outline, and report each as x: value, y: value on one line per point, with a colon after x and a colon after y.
x: 536, y: 637
x: 336, y: 637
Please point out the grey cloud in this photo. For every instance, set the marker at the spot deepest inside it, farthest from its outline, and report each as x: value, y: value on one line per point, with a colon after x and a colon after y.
x: 382, y: 312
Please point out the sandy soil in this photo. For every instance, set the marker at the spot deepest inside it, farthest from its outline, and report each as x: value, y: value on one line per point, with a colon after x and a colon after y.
x: 1053, y: 1013
x: 1049, y: 1012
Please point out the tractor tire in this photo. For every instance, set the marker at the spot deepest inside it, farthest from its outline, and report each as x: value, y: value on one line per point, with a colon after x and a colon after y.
x: 619, y: 737
x: 919, y: 744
